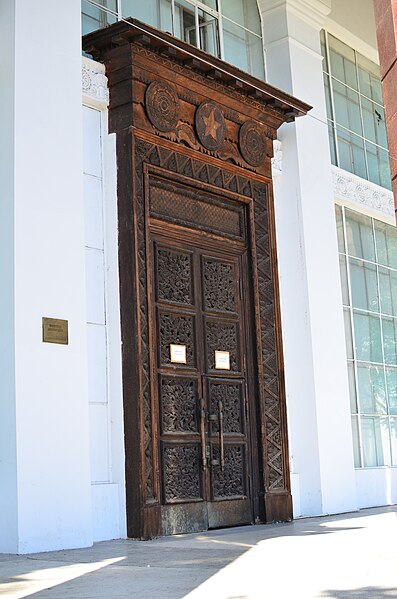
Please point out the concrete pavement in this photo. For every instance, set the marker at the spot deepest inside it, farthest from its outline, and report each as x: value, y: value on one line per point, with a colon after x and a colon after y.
x: 347, y: 556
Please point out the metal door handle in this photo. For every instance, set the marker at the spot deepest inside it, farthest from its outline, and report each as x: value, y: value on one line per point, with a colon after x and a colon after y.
x: 221, y: 445
x: 202, y: 434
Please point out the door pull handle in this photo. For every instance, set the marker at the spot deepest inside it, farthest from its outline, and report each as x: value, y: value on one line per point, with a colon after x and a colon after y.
x: 221, y: 439
x: 202, y: 435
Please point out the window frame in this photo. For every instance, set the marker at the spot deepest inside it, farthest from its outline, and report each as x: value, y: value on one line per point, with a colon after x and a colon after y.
x: 333, y: 123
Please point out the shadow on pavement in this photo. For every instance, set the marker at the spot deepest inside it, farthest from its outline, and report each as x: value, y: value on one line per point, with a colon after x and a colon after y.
x: 364, y: 592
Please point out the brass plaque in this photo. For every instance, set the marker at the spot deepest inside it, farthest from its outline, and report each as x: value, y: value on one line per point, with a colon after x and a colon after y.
x: 222, y: 360
x: 55, y: 331
x: 178, y: 353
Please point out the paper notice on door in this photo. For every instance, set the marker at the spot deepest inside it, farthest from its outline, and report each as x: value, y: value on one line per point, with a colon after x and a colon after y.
x: 222, y: 360
x: 178, y: 353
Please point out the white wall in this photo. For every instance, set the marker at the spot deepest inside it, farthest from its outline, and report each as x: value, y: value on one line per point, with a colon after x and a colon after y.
x: 103, y: 314
x: 49, y: 403
x: 315, y: 357
x: 8, y: 473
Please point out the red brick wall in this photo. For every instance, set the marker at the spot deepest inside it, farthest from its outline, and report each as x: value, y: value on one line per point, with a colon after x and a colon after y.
x: 386, y: 30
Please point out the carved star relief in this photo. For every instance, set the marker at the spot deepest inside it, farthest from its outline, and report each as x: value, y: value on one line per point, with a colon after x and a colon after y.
x: 211, y: 125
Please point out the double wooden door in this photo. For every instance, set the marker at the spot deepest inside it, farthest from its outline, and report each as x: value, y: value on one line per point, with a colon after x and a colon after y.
x: 200, y: 382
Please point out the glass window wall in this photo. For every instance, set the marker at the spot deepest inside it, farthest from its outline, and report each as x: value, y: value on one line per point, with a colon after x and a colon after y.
x: 230, y: 30
x: 368, y: 266
x: 356, y: 117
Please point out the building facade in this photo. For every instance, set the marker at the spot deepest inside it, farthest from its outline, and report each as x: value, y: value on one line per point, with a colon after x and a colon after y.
x: 201, y: 206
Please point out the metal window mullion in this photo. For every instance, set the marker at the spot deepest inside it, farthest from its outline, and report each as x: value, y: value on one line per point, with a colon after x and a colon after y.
x: 243, y: 27
x: 363, y: 130
x: 355, y: 367
x: 220, y: 30
x: 331, y: 93
x: 197, y: 24
x: 381, y: 336
x: 173, y: 17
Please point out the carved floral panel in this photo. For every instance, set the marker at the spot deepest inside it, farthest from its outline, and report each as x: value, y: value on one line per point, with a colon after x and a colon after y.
x: 181, y: 473
x: 222, y: 337
x: 173, y: 276
x: 178, y: 405
x: 178, y: 330
x: 231, y: 481
x: 219, y: 286
x: 231, y: 397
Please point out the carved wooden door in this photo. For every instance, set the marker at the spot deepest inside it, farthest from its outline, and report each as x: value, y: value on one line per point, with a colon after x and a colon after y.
x: 200, y: 376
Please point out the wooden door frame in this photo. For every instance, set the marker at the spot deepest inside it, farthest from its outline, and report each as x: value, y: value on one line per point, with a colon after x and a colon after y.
x: 140, y: 63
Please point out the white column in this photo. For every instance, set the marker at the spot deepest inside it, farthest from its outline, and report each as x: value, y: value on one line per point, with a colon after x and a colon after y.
x: 8, y: 482
x: 48, y: 480
x: 315, y: 357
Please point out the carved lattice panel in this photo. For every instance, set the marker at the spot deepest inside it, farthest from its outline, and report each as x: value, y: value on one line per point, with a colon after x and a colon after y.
x: 178, y: 330
x: 231, y: 482
x: 232, y: 398
x: 275, y: 475
x: 178, y: 397
x: 174, y: 281
x: 181, y: 473
x: 219, y: 286
x: 188, y: 207
x: 222, y: 336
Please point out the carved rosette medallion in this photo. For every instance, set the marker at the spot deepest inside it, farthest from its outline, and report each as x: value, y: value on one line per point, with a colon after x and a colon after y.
x: 162, y: 105
x: 252, y: 143
x: 210, y: 125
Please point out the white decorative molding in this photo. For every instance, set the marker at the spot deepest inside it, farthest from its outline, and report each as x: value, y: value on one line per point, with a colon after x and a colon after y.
x: 367, y: 196
x: 313, y: 12
x: 94, y: 83
x: 277, y: 160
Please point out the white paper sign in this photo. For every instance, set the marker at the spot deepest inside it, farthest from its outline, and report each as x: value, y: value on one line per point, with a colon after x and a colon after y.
x: 222, y: 360
x: 178, y: 353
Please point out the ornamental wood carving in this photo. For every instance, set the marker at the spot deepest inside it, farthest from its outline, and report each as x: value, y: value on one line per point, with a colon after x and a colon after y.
x: 194, y: 149
x: 210, y: 125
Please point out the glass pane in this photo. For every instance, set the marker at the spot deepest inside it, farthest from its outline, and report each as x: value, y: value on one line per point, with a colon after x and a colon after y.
x: 364, y: 285
x: 368, y: 345
x: 208, y: 29
x: 369, y: 78
x: 339, y: 228
x: 393, y: 431
x: 342, y: 62
x: 378, y: 165
x: 360, y: 239
x: 351, y: 152
x: 185, y: 22
x: 343, y: 278
x: 352, y: 388
x: 147, y: 11
x: 391, y: 381
x: 389, y: 328
x: 388, y: 291
x: 93, y: 17
x: 332, y: 146
x: 371, y: 389
x: 347, y: 107
x: 243, y: 12
x: 386, y: 244
x: 356, y: 446
x: 328, y: 97
x: 348, y: 333
x: 375, y: 441
x: 211, y: 3
x: 243, y: 49
x: 374, y: 122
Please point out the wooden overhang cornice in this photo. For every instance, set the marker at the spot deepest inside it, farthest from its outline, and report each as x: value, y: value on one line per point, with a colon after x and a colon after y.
x: 133, y: 31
